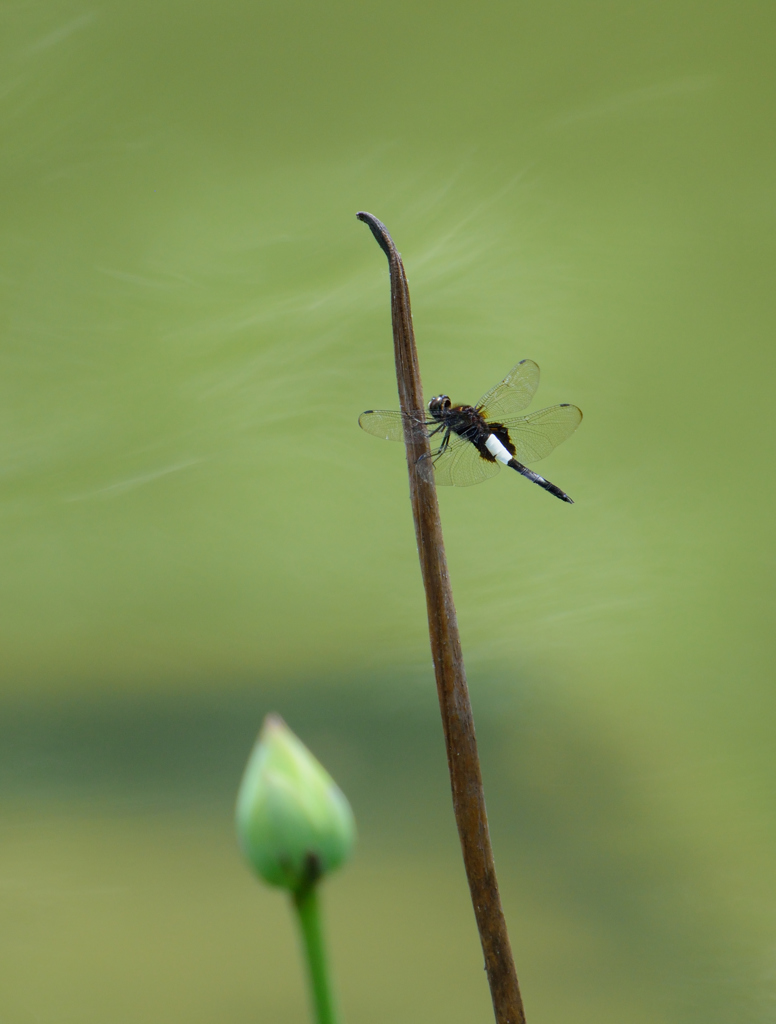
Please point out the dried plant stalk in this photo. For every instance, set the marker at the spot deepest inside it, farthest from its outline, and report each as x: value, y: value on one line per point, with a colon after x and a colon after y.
x: 462, y: 757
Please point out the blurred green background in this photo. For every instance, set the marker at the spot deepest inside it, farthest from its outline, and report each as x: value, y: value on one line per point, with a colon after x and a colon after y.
x: 194, y: 530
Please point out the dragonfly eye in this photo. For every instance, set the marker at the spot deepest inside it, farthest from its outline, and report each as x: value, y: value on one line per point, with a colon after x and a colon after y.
x: 439, y: 404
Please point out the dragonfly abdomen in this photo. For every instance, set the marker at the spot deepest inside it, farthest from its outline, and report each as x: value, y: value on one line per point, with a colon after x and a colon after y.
x: 506, y: 458
x: 498, y: 450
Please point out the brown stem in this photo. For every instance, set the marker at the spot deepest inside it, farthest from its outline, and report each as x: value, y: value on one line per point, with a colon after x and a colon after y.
x: 462, y: 757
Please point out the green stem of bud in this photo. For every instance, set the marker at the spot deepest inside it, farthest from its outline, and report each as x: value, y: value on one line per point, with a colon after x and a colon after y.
x: 308, y: 910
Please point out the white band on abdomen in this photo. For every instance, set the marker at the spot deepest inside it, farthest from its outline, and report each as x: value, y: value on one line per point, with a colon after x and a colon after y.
x: 495, y: 447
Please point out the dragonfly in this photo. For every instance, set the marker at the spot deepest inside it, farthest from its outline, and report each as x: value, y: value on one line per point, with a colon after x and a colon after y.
x: 474, y: 441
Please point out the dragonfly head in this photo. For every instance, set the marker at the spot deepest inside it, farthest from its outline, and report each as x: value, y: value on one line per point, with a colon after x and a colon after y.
x: 438, y: 406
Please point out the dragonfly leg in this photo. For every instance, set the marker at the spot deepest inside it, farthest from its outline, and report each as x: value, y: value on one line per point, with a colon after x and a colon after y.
x: 433, y: 456
x: 445, y: 443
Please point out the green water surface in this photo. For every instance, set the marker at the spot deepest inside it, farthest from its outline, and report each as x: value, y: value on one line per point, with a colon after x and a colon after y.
x: 194, y: 531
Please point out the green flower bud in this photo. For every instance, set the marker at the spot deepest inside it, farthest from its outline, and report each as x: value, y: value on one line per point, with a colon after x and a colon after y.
x: 293, y: 822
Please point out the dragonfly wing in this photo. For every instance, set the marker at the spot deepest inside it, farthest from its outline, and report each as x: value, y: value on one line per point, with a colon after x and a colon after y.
x: 513, y: 393
x: 535, y: 436
x: 385, y: 423
x: 460, y: 465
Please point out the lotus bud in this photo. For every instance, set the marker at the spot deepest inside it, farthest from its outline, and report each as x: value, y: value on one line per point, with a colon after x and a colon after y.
x: 293, y: 822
